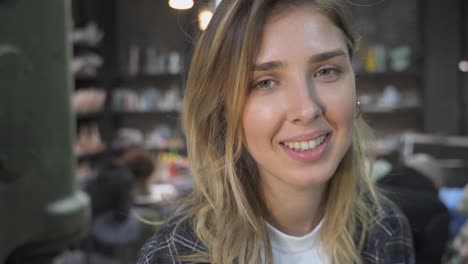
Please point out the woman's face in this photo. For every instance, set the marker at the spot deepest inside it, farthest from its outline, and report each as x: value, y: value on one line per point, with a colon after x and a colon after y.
x: 299, y: 114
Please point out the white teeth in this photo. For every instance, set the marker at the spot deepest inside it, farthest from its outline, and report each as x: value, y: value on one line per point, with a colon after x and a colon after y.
x: 322, y: 139
x: 312, y: 144
x: 297, y: 145
x: 306, y: 145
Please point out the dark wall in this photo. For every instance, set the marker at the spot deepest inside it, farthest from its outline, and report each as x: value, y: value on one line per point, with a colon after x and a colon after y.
x: 465, y: 75
x: 443, y: 50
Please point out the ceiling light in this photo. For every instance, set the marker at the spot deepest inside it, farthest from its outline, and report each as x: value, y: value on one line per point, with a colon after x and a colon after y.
x: 204, y: 18
x: 463, y: 65
x: 181, y: 4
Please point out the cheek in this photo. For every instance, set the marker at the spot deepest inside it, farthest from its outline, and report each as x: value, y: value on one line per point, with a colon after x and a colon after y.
x: 348, y: 113
x: 259, y: 119
x: 340, y: 110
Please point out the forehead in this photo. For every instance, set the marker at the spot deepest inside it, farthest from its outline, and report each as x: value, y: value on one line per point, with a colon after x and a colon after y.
x: 299, y: 32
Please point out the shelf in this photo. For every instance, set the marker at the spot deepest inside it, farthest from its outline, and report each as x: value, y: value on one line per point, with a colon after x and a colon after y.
x: 157, y: 150
x: 434, y: 139
x: 91, y: 156
x: 89, y: 116
x: 388, y: 75
x: 85, y: 78
x: 121, y: 150
x: 389, y: 110
x: 144, y: 78
x: 147, y: 113
x: 82, y: 48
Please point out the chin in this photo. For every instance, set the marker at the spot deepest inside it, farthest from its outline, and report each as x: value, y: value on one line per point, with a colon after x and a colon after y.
x: 309, y: 178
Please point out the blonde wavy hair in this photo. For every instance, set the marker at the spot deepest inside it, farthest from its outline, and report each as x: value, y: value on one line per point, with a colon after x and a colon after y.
x: 226, y: 210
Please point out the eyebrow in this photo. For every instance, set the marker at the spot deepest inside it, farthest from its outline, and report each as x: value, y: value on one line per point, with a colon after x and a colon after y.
x: 271, y: 65
x: 267, y: 66
x: 326, y: 55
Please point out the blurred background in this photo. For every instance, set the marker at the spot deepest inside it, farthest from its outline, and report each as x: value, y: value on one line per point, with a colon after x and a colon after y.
x: 92, y: 154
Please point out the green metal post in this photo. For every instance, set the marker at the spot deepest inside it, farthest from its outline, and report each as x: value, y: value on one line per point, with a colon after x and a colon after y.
x: 41, y: 209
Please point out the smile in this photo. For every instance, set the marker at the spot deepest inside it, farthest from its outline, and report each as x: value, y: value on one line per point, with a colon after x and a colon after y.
x: 305, y: 149
x: 305, y: 145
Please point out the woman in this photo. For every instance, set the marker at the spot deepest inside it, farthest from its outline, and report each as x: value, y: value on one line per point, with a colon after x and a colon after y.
x: 274, y: 140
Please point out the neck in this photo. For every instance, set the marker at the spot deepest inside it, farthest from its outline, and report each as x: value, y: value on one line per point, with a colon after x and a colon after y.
x: 292, y: 211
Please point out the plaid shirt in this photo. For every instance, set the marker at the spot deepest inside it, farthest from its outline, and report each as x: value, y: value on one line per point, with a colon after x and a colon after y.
x: 388, y: 242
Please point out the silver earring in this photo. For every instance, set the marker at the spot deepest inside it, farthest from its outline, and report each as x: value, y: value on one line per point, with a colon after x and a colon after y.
x: 358, y: 109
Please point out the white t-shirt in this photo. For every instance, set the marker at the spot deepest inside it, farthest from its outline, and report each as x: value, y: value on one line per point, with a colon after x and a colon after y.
x: 298, y: 250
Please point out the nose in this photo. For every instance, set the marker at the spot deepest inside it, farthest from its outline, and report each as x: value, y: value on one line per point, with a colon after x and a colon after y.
x: 304, y: 103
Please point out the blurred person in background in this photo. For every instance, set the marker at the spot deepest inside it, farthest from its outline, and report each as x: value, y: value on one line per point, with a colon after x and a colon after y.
x: 113, y: 225
x: 413, y: 186
x: 110, y: 191
x: 462, y: 206
x: 452, y: 197
x: 274, y: 142
x: 119, y: 228
x: 142, y: 165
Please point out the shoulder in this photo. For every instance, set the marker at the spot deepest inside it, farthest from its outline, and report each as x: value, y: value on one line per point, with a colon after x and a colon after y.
x: 389, y: 239
x: 173, y: 240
